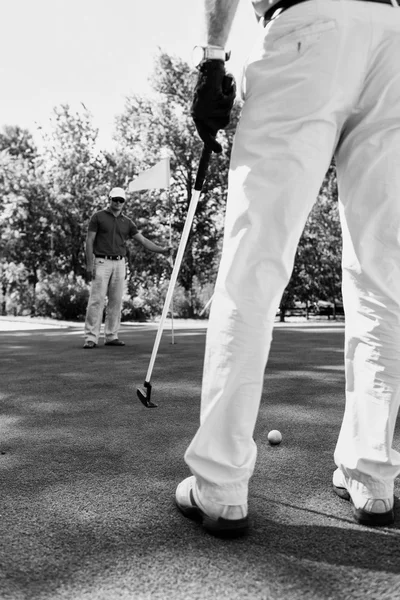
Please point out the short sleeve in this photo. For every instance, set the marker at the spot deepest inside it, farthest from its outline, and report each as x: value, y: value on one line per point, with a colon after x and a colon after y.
x: 93, y: 223
x: 133, y: 230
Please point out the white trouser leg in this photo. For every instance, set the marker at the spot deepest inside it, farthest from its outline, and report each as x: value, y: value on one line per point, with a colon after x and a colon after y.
x: 98, y: 291
x: 283, y: 147
x: 300, y: 91
x: 369, y: 186
x: 114, y: 306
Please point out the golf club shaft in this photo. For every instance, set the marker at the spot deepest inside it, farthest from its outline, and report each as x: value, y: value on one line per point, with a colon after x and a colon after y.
x: 202, y: 169
x: 206, y: 306
x: 174, y: 276
x: 201, y: 172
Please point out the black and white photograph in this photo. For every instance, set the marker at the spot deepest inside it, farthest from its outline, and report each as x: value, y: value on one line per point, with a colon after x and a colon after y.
x: 200, y: 300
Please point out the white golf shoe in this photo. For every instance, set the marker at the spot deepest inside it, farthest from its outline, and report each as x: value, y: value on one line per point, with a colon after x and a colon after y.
x: 219, y: 519
x: 370, y: 511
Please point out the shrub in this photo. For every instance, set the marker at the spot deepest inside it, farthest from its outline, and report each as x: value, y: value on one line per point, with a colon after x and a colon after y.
x: 133, y: 309
x: 17, y: 292
x: 147, y: 300
x: 66, y: 298
x: 62, y: 297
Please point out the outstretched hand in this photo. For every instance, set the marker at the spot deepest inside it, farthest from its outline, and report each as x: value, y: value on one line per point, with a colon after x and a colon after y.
x: 214, y: 96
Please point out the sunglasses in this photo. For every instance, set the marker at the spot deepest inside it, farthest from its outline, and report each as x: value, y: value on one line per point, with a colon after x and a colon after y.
x: 120, y: 200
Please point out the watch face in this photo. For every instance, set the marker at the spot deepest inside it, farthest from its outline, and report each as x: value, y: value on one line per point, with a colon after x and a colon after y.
x: 197, y: 55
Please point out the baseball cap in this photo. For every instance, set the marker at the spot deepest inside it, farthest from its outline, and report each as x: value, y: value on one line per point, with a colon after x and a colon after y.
x: 117, y: 192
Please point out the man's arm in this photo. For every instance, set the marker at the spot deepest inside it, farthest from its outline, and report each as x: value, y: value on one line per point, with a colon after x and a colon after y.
x: 91, y: 235
x: 215, y: 91
x: 149, y: 245
x: 219, y: 18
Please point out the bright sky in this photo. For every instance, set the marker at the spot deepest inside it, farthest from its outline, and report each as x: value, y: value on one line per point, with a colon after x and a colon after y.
x: 96, y: 52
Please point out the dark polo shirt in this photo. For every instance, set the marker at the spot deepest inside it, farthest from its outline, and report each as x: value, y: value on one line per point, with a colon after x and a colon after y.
x: 111, y: 232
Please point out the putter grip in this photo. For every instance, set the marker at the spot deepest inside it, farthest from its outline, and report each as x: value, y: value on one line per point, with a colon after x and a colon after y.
x: 202, y: 169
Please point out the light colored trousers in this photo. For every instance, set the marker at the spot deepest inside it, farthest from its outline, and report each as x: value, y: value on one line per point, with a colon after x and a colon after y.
x: 109, y: 280
x: 325, y: 78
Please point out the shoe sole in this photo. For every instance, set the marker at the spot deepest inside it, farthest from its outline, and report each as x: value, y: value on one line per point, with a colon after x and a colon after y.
x: 224, y: 528
x: 364, y: 517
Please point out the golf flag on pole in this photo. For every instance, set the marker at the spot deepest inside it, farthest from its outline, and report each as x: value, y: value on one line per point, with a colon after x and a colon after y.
x: 155, y: 177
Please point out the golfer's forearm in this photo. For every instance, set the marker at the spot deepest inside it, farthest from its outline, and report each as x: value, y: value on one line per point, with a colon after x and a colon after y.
x: 152, y: 247
x: 219, y: 19
x: 89, y: 253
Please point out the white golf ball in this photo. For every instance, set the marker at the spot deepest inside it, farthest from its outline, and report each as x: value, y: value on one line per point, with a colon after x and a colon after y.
x: 274, y: 437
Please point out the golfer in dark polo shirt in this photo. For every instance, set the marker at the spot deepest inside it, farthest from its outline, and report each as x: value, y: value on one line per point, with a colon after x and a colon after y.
x: 105, y: 267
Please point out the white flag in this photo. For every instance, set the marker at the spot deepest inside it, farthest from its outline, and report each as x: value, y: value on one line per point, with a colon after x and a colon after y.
x: 155, y: 177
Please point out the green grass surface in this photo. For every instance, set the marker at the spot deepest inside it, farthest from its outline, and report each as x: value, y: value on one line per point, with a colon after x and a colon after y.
x: 88, y: 476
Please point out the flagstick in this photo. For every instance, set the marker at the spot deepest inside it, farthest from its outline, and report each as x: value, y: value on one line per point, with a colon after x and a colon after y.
x: 170, y: 243
x: 158, y: 176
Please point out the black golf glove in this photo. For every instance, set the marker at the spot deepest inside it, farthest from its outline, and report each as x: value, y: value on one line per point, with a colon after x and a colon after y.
x: 213, y: 99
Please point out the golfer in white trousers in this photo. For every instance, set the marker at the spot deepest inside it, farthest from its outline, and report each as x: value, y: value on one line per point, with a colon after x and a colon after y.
x: 323, y: 80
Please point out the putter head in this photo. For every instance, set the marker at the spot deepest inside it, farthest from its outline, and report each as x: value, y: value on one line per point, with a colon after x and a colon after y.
x: 144, y: 397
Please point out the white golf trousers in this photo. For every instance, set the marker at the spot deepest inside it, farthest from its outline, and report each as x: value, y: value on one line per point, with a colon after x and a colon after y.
x: 324, y: 79
x: 109, y: 280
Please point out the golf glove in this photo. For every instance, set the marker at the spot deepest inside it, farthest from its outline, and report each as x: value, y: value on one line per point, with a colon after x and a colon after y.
x: 213, y: 99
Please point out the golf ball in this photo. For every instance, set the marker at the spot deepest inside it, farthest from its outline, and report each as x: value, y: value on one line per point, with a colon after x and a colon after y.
x: 274, y: 437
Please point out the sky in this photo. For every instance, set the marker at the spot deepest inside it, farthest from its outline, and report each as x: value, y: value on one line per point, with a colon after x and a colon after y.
x: 96, y: 52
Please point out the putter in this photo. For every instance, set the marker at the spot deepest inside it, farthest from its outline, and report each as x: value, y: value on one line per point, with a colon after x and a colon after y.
x: 145, y: 395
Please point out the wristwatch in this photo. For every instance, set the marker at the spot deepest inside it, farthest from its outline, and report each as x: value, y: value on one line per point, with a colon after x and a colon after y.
x: 203, y: 53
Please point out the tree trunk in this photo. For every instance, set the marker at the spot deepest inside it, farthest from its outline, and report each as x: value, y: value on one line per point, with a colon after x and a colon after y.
x: 4, y: 300
x: 34, y: 281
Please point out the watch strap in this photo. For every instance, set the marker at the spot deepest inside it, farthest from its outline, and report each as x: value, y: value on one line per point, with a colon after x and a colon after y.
x: 202, y: 54
x: 215, y: 53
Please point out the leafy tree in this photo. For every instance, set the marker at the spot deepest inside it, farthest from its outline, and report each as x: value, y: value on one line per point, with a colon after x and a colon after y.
x: 47, y: 198
x: 78, y: 179
x: 163, y: 121
x: 25, y: 222
x: 317, y: 269
x: 18, y: 142
x: 324, y: 227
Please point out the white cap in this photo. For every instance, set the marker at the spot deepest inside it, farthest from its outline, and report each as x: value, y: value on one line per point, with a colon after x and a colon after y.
x: 117, y: 193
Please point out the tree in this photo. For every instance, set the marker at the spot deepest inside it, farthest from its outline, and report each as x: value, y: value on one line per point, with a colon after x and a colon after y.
x: 164, y: 121
x: 48, y: 196
x: 78, y: 179
x: 18, y: 142
x: 317, y: 269
x: 46, y: 200
x: 25, y: 223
